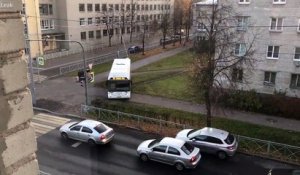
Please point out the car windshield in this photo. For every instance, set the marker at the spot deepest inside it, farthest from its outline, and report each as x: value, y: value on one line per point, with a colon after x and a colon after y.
x: 100, y: 128
x: 73, y: 124
x: 154, y: 142
x: 187, y: 148
x: 230, y: 139
x: 191, y: 132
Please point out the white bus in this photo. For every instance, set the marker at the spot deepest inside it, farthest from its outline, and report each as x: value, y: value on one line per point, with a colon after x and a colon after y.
x: 119, y: 80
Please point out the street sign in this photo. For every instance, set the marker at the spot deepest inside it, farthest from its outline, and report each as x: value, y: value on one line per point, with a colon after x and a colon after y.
x: 41, y: 61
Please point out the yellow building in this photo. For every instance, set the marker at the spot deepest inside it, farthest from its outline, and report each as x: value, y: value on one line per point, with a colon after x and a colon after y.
x: 32, y: 27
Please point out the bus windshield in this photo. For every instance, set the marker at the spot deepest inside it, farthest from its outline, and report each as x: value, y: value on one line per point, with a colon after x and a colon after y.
x: 118, y: 85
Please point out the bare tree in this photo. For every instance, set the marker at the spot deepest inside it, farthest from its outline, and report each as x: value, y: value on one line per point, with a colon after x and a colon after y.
x: 108, y: 18
x: 186, y: 6
x: 223, y: 48
x: 165, y: 24
x: 132, y: 18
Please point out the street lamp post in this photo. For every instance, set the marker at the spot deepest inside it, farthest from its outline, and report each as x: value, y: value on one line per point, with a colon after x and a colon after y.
x: 83, y: 58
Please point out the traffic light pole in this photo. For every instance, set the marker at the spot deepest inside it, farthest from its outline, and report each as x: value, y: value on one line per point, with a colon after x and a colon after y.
x: 83, y: 58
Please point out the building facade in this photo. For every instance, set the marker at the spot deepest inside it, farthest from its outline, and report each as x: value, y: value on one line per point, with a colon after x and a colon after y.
x: 32, y: 29
x: 277, y: 47
x: 94, y: 22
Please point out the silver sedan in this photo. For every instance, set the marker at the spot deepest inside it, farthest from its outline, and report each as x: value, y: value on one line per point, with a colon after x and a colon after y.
x: 170, y: 151
x: 211, y: 140
x: 90, y: 131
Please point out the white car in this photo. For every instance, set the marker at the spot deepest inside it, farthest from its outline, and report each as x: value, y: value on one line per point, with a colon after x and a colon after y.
x: 211, y: 140
x: 170, y: 151
x: 90, y: 131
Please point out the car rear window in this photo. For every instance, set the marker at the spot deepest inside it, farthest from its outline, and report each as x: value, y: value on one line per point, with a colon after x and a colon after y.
x: 230, y: 139
x: 100, y: 128
x: 187, y: 148
x: 154, y: 142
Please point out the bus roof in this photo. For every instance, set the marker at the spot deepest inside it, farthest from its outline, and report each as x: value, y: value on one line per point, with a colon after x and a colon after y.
x: 120, y: 69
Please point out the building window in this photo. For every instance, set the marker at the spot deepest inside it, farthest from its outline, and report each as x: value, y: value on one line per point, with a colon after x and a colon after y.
x: 295, y: 81
x: 297, y: 54
x: 270, y: 78
x: 244, y: 1
x: 298, y: 29
x: 98, y: 34
x: 138, y: 28
x: 154, y: 7
x: 201, y: 27
x: 90, y: 21
x: 273, y: 52
x: 242, y: 22
x: 147, y: 8
x: 116, y: 19
x: 46, y: 9
x: 104, y: 7
x: 276, y: 24
x: 97, y: 7
x: 81, y: 8
x: 240, y: 49
x: 128, y: 29
x: 128, y: 7
x: 89, y: 7
x: 83, y: 35
x: 279, y: 1
x: 143, y: 7
x: 110, y: 7
x: 47, y: 24
x: 117, y: 7
x: 91, y: 34
x: 237, y: 75
x: 82, y: 21
x: 138, y: 7
x: 104, y: 32
x: 117, y: 31
x: 97, y: 20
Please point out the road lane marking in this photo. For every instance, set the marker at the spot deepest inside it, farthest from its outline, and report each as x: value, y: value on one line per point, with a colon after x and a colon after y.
x: 51, y: 119
x: 75, y: 145
x: 36, y: 125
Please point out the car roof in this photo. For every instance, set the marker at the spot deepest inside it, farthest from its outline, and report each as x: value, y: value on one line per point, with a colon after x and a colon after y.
x: 89, y: 123
x: 218, y: 133
x: 169, y: 141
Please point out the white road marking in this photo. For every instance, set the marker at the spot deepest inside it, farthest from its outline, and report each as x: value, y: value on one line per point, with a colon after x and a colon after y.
x: 75, y: 145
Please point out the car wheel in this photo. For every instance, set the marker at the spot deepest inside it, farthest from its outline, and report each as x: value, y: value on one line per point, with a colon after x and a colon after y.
x: 144, y: 157
x: 64, y: 136
x: 91, y: 142
x: 222, y: 155
x: 179, y: 166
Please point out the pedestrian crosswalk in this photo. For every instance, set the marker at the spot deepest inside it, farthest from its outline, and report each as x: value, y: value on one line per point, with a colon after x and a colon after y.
x: 44, y: 123
x: 38, y: 78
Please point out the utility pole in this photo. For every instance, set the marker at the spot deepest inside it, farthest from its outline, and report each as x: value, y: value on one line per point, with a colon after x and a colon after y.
x: 27, y: 45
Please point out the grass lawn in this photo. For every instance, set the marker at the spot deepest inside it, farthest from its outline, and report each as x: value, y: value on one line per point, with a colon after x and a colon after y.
x: 180, y: 60
x: 162, y: 79
x: 166, y: 84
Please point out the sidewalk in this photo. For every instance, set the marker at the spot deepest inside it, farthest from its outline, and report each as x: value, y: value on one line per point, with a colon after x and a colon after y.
x: 66, y: 90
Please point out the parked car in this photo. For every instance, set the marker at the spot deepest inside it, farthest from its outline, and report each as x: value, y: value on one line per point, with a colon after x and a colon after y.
x: 166, y: 40
x: 211, y: 140
x: 170, y: 151
x: 134, y: 49
x: 90, y: 131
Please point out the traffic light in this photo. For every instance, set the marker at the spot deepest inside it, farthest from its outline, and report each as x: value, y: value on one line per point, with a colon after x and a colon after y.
x: 89, y: 75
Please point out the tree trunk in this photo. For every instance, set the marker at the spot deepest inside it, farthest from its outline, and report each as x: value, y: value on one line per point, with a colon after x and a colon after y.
x: 208, y: 108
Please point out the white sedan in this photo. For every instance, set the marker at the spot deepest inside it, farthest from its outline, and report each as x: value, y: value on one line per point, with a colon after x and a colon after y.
x: 90, y: 131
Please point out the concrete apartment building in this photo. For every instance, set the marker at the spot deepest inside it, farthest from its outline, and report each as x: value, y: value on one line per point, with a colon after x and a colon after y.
x: 84, y: 21
x: 277, y: 48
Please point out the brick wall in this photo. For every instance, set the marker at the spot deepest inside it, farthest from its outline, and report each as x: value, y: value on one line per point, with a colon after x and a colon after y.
x: 17, y: 137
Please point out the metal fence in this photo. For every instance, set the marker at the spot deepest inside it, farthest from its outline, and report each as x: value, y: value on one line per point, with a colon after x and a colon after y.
x: 253, y: 146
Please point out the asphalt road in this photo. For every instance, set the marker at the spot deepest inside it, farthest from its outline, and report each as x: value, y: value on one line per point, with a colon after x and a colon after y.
x: 59, y: 157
